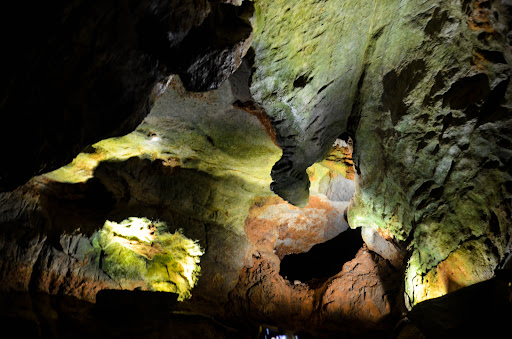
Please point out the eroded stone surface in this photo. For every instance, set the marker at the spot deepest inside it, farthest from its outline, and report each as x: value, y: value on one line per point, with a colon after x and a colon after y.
x: 383, y: 244
x: 424, y: 91
x: 95, y: 71
x: 184, y: 169
x: 375, y: 295
x: 360, y: 300
x: 201, y: 174
x: 308, y: 63
x: 276, y: 226
x: 432, y: 139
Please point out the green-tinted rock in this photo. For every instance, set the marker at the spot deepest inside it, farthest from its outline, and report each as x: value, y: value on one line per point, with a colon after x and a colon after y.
x: 309, y: 57
x: 432, y: 145
x: 423, y: 88
x: 139, y: 249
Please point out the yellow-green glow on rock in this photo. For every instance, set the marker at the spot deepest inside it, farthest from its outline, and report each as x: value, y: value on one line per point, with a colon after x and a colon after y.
x: 337, y: 162
x: 225, y: 143
x: 141, y: 250
x: 82, y: 167
x: 227, y: 149
x: 472, y: 262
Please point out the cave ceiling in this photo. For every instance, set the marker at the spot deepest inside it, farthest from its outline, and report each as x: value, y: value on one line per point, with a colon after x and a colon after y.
x: 191, y: 146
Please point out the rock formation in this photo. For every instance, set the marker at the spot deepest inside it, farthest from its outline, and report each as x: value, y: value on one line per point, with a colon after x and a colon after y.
x: 424, y: 92
x: 390, y: 118
x: 96, y: 68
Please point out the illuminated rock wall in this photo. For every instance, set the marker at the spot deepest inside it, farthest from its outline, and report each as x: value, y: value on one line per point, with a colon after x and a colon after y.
x: 433, y: 142
x: 423, y: 88
x: 95, y: 71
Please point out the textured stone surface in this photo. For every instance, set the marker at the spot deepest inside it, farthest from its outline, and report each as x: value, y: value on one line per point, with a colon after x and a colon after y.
x: 358, y: 301
x: 201, y: 163
x: 278, y: 227
x: 432, y: 143
x: 40, y: 252
x: 374, y: 297
x: 196, y: 163
x: 382, y: 243
x: 423, y: 89
x: 308, y: 63
x: 141, y: 251
x: 95, y: 71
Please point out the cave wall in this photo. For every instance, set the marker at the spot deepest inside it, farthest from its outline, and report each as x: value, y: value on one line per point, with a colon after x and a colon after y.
x: 200, y: 163
x: 309, y: 57
x: 201, y: 176
x: 423, y: 88
x: 92, y: 69
x: 433, y: 142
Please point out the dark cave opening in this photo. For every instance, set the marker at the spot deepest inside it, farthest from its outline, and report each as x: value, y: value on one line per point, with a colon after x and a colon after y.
x: 323, y: 260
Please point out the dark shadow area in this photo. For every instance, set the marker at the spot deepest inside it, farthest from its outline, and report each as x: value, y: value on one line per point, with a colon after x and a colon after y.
x: 78, y: 210
x: 99, y: 85
x: 323, y: 260
x: 139, y: 315
x: 71, y: 206
x: 151, y: 189
x: 122, y: 303
x: 482, y: 310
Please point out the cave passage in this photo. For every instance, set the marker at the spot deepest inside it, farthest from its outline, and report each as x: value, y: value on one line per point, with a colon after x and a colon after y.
x: 323, y: 260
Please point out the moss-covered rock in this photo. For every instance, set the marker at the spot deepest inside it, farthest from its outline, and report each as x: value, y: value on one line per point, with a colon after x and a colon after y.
x: 140, y: 249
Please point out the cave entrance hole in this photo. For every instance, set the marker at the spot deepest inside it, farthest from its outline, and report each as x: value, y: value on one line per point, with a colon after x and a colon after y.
x: 323, y: 260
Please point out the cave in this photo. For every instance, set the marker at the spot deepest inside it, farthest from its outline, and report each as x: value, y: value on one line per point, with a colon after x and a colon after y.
x: 323, y: 260
x: 252, y: 168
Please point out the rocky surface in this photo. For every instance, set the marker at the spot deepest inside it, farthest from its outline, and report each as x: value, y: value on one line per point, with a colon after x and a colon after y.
x: 199, y: 162
x: 415, y: 94
x: 40, y: 252
x: 423, y: 89
x: 201, y: 176
x: 382, y: 243
x: 432, y: 143
x: 278, y: 227
x: 359, y: 301
x: 306, y: 77
x: 97, y: 68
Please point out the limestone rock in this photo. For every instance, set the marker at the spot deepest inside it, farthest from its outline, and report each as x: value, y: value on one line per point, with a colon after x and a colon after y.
x: 340, y: 189
x: 101, y: 63
x: 375, y: 299
x: 423, y: 89
x: 196, y: 163
x: 278, y: 227
x: 310, y: 56
x: 340, y: 311
x: 383, y: 246
x: 432, y: 141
